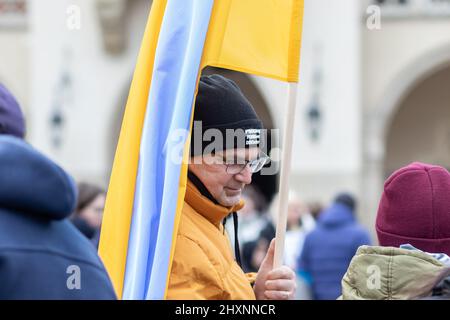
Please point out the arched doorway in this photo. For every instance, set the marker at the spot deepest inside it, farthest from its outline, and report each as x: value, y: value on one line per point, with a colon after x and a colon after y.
x: 420, y: 128
x: 378, y: 124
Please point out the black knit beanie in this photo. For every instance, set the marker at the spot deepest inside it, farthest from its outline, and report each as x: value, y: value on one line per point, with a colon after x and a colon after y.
x: 222, y: 106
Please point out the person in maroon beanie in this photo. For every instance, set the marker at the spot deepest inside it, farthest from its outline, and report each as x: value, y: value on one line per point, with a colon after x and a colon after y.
x: 413, y: 229
x: 415, y: 209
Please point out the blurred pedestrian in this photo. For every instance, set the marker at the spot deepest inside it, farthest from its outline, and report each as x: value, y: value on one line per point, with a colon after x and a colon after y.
x: 89, y: 212
x: 329, y: 248
x: 299, y: 222
x: 253, y: 219
x: 315, y: 209
x: 254, y: 251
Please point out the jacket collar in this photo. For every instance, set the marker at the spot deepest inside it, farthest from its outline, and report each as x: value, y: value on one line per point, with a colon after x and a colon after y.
x: 200, y: 186
x: 214, y: 213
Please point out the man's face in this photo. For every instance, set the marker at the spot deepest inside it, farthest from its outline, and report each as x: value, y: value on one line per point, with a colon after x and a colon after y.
x: 225, y: 187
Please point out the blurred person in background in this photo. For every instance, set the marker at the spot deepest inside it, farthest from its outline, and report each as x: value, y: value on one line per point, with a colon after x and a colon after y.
x: 89, y: 212
x: 329, y: 248
x: 255, y: 251
x: 253, y: 219
x: 315, y: 209
x: 299, y: 223
x: 42, y: 255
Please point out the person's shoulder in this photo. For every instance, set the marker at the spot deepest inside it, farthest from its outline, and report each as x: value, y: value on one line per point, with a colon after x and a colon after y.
x: 22, y: 233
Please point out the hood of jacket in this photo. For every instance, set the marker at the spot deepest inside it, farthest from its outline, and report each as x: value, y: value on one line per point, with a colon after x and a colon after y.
x: 388, y: 273
x: 336, y: 215
x: 33, y: 184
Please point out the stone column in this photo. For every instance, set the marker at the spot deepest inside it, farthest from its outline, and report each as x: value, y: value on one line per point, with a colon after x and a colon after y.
x: 373, y: 167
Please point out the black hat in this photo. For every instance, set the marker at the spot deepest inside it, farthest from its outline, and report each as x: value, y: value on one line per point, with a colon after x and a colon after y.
x: 222, y: 106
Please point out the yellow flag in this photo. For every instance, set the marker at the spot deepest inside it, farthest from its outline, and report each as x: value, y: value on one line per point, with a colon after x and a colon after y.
x: 119, y: 203
x: 261, y: 37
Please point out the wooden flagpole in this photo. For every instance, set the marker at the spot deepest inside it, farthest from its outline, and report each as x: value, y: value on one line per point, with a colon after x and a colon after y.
x: 286, y: 159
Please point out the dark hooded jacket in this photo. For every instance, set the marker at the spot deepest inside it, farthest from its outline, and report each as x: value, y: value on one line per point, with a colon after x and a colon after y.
x: 42, y: 255
x: 328, y: 250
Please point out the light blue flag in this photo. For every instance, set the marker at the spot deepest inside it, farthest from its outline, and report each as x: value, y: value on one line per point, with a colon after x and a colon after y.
x: 170, y: 101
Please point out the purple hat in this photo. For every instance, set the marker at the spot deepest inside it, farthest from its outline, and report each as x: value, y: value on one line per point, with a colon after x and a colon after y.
x: 415, y: 209
x: 11, y: 117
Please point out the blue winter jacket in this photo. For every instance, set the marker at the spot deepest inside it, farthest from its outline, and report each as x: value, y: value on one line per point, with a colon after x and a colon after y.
x: 42, y: 255
x: 328, y: 250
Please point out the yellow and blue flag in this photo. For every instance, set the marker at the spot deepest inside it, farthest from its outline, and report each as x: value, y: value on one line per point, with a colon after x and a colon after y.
x: 147, y: 186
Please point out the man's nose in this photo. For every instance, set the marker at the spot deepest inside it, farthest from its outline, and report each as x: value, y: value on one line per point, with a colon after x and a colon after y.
x: 245, y: 176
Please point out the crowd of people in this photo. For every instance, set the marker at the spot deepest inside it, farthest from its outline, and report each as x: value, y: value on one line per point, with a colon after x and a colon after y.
x: 50, y: 228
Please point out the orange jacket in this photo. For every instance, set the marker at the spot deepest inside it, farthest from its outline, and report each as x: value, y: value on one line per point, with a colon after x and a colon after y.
x: 203, y: 266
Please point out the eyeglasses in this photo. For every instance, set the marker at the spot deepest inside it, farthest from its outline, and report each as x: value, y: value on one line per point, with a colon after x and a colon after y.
x: 255, y: 165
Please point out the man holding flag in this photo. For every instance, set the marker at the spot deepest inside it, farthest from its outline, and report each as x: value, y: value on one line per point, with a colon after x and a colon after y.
x: 203, y: 266
x: 161, y: 231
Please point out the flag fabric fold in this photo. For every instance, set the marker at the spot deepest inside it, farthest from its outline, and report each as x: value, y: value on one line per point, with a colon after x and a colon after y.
x: 167, y: 122
x: 116, y: 222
